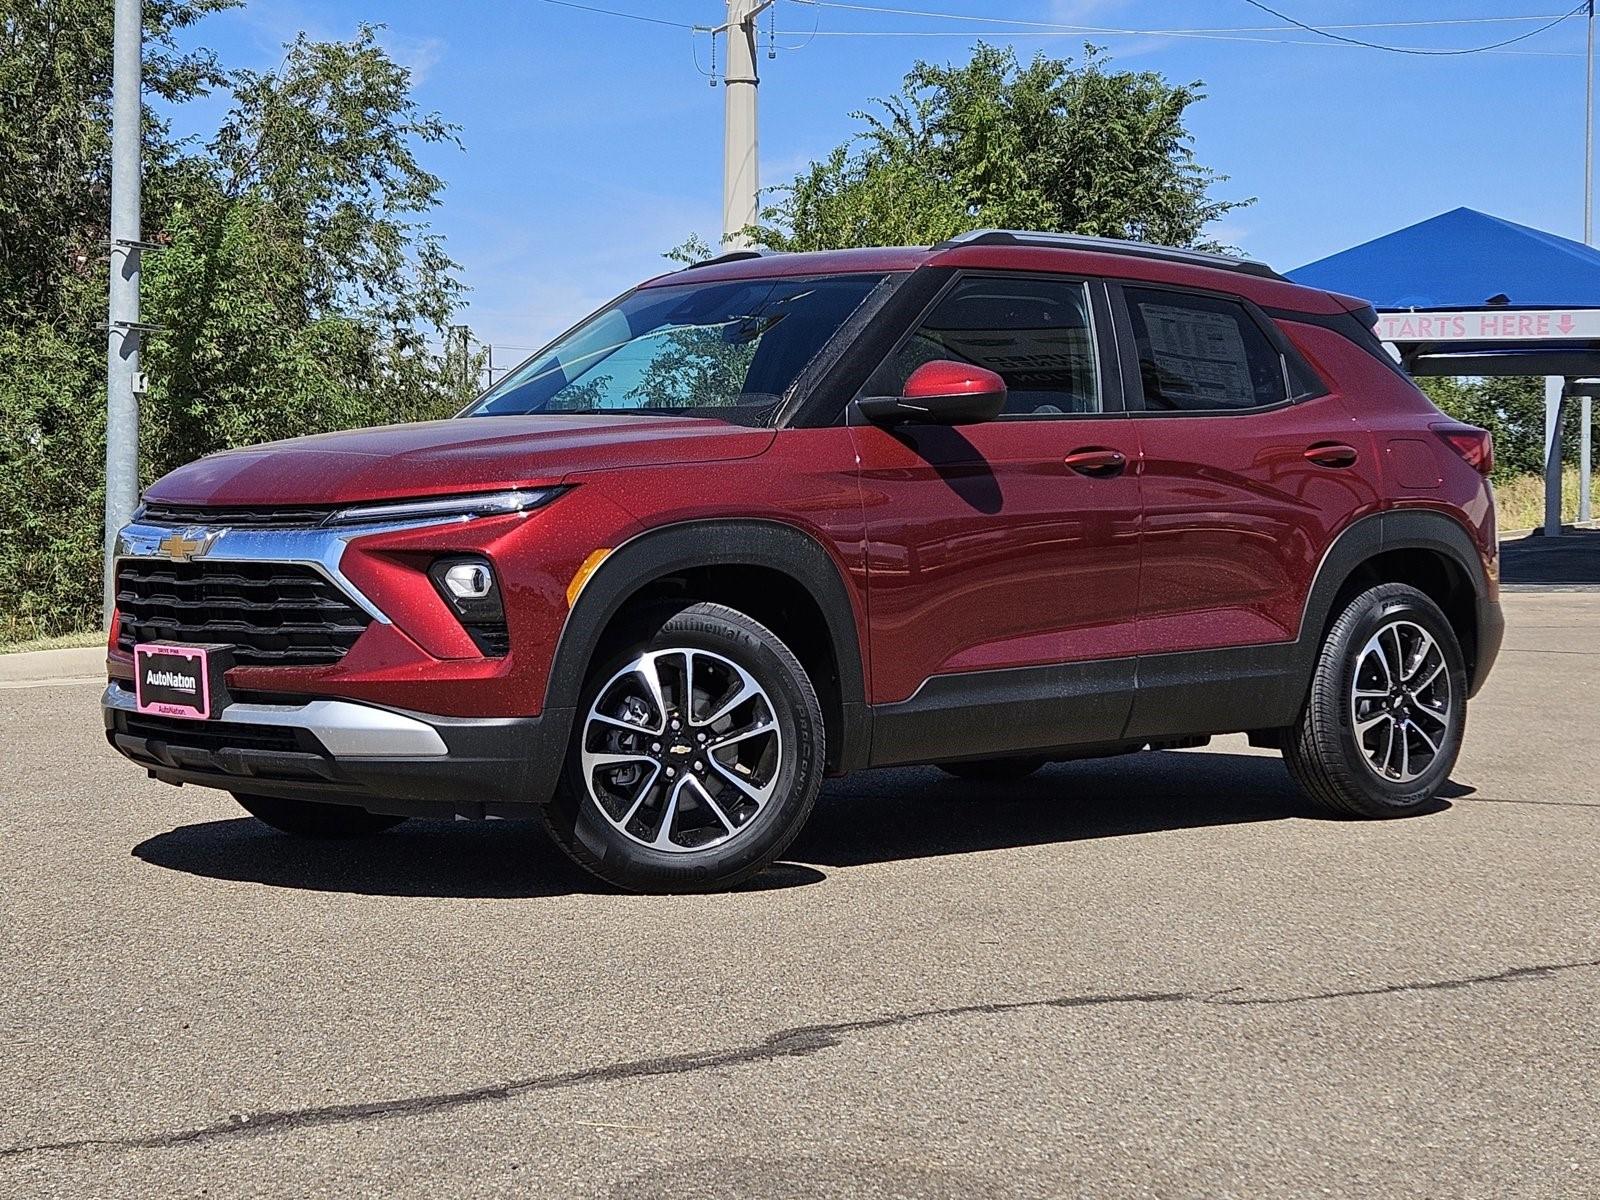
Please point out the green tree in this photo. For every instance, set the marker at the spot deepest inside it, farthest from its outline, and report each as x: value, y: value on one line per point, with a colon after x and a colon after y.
x: 55, y: 142
x: 297, y: 286
x: 298, y: 289
x: 1051, y: 145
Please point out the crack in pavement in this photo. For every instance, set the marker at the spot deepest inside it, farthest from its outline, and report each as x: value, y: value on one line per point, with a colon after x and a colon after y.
x: 789, y: 1043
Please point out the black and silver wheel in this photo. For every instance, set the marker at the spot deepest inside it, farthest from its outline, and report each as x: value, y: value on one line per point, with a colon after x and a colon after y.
x: 994, y: 770
x: 1383, y: 723
x: 307, y: 819
x: 696, y: 756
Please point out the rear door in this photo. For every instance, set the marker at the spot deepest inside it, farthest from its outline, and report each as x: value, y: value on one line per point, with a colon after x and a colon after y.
x: 1249, y: 466
x: 998, y: 552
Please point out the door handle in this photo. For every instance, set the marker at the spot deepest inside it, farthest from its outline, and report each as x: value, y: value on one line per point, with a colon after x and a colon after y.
x: 1096, y: 462
x: 1331, y: 454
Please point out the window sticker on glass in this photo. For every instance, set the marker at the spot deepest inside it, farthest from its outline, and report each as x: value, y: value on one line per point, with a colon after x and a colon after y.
x: 1200, y: 352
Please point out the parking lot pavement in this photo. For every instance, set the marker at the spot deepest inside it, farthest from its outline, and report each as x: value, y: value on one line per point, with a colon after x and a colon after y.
x: 1163, y: 975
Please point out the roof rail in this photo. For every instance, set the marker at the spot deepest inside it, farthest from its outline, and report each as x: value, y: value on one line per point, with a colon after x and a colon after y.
x: 1101, y: 245
x: 732, y: 256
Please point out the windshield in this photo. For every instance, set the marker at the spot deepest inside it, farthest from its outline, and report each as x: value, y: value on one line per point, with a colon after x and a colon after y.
x: 729, y: 349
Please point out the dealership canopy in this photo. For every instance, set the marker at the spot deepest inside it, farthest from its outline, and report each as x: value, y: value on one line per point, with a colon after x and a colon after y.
x: 1464, y: 293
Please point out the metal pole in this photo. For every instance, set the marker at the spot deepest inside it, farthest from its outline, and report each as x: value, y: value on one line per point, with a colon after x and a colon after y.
x: 1588, y: 138
x: 740, y: 181
x: 122, y: 341
x: 1584, y: 458
x: 466, y: 353
x: 1555, y: 388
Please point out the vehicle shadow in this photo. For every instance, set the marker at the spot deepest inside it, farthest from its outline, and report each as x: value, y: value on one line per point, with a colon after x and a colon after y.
x: 921, y: 813
x: 872, y: 817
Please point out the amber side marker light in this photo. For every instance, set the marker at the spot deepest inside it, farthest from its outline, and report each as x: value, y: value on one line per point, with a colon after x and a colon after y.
x: 581, y: 576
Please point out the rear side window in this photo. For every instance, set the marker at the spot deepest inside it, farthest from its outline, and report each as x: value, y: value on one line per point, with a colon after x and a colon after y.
x: 1202, y: 353
x: 1036, y: 334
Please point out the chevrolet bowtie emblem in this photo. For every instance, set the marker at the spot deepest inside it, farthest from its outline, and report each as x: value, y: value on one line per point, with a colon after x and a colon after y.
x: 181, y: 545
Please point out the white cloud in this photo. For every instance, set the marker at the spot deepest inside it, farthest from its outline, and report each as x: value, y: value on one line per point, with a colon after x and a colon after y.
x: 275, y: 23
x: 418, y: 55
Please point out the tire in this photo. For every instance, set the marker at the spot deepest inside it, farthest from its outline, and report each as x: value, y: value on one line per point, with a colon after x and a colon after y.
x: 309, y: 820
x: 993, y: 770
x: 1369, y: 755
x: 651, y: 808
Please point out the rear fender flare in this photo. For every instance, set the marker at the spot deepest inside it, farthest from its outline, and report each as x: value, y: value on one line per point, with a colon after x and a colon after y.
x: 1398, y: 529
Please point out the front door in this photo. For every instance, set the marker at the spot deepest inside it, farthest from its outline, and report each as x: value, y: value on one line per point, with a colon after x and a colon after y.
x: 1003, y: 558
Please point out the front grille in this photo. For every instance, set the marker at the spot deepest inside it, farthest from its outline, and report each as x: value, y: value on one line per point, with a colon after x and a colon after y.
x: 303, y: 516
x: 274, y: 614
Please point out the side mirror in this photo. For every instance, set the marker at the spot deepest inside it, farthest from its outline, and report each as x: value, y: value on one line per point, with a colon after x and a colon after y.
x: 941, y: 392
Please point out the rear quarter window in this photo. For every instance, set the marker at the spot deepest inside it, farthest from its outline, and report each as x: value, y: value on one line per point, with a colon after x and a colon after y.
x: 1200, y: 353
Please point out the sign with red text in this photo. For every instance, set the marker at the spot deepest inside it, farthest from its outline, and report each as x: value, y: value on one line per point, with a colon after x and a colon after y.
x: 1491, y: 325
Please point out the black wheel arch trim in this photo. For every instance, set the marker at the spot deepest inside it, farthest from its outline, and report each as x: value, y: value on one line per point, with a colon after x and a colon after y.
x: 753, y: 542
x: 1405, y: 529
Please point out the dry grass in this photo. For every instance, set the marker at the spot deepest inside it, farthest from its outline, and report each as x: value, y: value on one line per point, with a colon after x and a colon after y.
x: 93, y: 637
x: 1520, y: 502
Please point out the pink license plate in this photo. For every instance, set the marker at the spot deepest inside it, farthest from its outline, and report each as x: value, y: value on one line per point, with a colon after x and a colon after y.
x: 172, y: 681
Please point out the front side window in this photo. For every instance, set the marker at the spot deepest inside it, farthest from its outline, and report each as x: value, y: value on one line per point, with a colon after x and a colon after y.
x: 729, y: 349
x: 1036, y: 334
x: 1202, y: 353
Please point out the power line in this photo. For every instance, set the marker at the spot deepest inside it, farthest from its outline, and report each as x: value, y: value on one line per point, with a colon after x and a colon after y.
x: 612, y: 12
x: 1037, y: 28
x: 1336, y: 37
x: 1023, y: 34
x: 890, y: 10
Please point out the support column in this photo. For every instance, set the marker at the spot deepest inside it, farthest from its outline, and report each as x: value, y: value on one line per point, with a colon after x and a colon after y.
x: 1555, y: 394
x: 1584, y: 454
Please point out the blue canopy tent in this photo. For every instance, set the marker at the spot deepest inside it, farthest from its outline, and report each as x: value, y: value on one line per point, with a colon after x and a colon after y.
x: 1465, y: 293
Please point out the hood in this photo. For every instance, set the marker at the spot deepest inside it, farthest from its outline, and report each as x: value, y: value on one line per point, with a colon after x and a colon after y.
x: 437, y: 458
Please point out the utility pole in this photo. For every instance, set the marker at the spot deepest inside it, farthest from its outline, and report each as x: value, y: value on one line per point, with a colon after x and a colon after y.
x: 123, y: 328
x: 465, y: 334
x: 740, y: 181
x: 1588, y: 138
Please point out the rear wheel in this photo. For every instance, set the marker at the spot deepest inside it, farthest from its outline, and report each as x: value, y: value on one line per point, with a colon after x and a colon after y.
x: 993, y: 770
x: 309, y: 820
x: 1383, y: 723
x: 696, y: 755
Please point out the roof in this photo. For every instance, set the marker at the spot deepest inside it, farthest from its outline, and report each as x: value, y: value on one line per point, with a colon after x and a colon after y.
x: 1463, y: 259
x: 1021, y: 251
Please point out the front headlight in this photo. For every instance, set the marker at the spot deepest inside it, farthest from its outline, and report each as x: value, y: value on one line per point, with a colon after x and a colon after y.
x: 486, y: 504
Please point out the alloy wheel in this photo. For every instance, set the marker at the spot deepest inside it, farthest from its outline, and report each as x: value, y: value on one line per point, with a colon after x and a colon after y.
x: 681, y: 750
x: 1400, y: 702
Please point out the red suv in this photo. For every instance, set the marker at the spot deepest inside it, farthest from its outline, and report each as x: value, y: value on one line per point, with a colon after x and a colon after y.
x: 1011, y: 499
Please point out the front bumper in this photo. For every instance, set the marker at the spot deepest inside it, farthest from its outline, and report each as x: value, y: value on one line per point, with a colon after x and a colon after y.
x: 341, y: 752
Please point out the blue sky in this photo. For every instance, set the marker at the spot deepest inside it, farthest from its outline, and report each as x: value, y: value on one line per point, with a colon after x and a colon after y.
x: 594, y: 143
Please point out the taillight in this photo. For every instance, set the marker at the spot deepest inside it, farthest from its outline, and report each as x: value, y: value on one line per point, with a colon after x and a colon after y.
x: 1473, y: 444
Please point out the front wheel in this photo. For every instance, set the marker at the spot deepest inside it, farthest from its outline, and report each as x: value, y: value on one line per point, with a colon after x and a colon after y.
x: 696, y: 755
x: 1383, y: 723
x: 310, y: 820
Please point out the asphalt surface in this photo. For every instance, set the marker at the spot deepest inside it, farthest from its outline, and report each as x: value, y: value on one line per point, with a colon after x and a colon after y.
x: 1158, y: 976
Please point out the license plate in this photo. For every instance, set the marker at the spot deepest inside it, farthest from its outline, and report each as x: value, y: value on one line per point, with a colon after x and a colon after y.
x: 179, y: 681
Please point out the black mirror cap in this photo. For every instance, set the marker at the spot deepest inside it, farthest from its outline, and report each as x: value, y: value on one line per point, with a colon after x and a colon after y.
x: 971, y: 408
